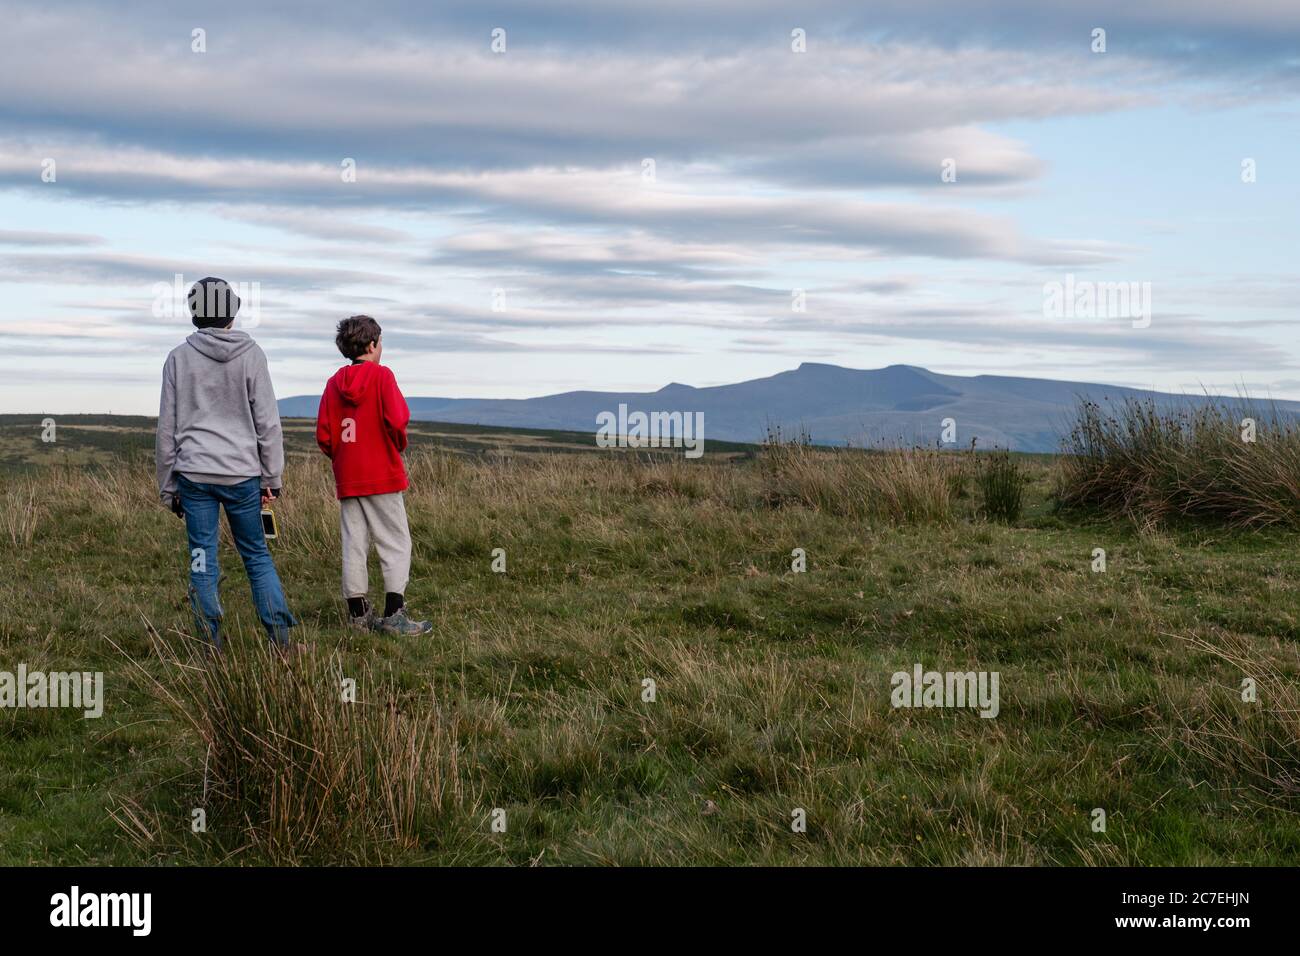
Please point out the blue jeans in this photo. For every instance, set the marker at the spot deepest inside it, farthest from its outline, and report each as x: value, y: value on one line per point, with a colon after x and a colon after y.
x: 243, y: 503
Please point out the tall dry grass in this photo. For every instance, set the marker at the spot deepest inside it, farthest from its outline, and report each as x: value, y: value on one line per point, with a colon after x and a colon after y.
x: 1254, y: 742
x: 1001, y: 482
x: 1155, y: 464
x: 21, y: 514
x: 302, y: 773
x: 905, y: 485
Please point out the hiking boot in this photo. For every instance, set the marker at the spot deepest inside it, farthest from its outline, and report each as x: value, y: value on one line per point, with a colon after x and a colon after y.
x: 366, y: 622
x: 399, y: 623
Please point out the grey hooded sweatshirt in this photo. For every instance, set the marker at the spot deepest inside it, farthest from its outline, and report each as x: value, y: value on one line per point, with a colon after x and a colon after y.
x: 217, y: 421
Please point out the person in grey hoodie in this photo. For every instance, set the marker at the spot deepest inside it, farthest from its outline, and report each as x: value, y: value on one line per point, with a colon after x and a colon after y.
x: 218, y: 446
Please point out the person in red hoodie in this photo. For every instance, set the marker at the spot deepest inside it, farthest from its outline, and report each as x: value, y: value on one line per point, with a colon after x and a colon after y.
x: 361, y: 428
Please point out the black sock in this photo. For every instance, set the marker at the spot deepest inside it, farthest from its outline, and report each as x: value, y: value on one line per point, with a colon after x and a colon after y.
x: 392, y: 603
x: 357, y: 607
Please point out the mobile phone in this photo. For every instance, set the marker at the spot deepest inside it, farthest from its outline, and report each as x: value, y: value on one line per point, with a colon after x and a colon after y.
x: 269, y: 527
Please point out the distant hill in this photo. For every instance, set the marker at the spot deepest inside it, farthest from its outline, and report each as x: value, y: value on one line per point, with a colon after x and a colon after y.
x: 900, y: 404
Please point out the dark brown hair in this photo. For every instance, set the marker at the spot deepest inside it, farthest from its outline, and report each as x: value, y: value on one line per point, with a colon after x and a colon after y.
x: 355, y: 335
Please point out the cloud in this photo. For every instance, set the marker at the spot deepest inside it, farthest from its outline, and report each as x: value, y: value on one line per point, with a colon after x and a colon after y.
x: 858, y: 112
x: 315, y: 224
x: 977, y: 158
x: 1247, y: 33
x: 121, y: 269
x: 687, y: 208
x: 524, y: 171
x: 559, y: 252
x: 28, y: 237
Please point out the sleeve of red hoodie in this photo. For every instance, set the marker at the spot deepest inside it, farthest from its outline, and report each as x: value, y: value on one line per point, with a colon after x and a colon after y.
x: 324, y: 427
x: 396, y: 414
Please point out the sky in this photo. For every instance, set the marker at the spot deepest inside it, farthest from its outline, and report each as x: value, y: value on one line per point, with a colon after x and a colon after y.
x: 533, y: 197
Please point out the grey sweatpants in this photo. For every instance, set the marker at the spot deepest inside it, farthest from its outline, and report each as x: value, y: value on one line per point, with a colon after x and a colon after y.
x: 381, y: 519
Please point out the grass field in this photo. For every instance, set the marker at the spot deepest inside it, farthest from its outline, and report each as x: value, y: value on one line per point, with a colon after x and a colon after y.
x: 108, y: 439
x: 1120, y: 690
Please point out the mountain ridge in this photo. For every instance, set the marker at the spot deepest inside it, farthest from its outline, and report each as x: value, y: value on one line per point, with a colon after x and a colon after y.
x: 835, y: 405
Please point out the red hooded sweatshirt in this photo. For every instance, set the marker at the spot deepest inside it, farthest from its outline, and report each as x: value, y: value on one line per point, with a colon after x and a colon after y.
x: 361, y: 427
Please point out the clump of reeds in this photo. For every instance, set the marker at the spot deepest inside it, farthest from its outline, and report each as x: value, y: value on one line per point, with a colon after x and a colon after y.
x: 1224, y: 463
x: 1001, y: 482
x: 302, y: 770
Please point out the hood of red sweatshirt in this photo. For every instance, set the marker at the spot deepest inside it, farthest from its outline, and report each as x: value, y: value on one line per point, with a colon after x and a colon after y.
x: 353, y: 381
